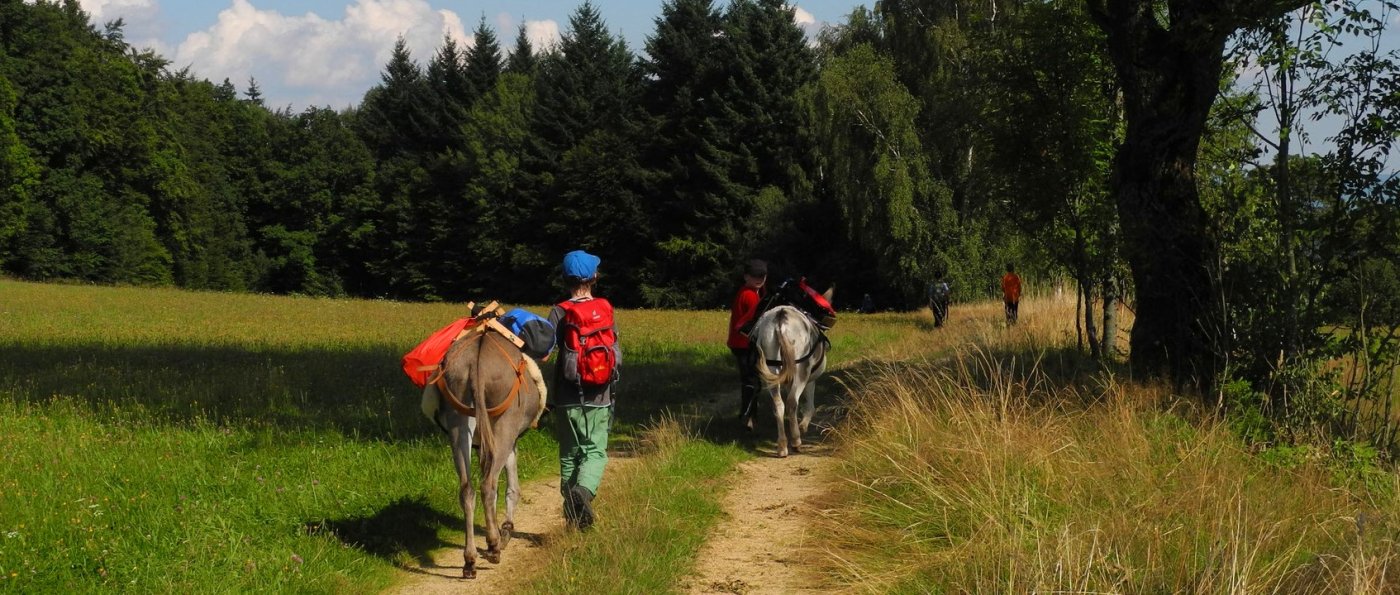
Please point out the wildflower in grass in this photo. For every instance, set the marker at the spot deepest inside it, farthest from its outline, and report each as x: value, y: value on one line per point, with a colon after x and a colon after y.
x: 296, y: 558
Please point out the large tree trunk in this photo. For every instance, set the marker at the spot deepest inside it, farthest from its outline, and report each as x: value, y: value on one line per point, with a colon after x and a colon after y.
x: 1169, y: 79
x: 1164, y: 232
x: 1169, y: 57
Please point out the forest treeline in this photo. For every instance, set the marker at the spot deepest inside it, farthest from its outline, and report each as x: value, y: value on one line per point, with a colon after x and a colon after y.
x: 918, y: 137
x: 469, y: 172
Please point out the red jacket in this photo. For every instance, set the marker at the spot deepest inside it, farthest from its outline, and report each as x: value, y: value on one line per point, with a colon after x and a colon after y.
x: 745, y: 308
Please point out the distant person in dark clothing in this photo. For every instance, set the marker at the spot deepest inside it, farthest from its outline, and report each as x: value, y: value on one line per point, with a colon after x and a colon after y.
x: 867, y: 305
x: 939, y: 293
x: 742, y: 314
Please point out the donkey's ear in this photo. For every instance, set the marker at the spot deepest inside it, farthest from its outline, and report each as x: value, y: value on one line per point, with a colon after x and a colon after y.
x: 828, y: 293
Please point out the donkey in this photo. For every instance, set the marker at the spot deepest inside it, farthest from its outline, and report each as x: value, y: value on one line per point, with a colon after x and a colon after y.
x: 506, y: 396
x: 795, y: 338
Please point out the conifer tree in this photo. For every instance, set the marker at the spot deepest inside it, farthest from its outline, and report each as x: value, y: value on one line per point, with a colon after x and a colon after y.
x: 584, y: 152
x: 483, y: 61
x: 522, y: 58
x: 768, y: 65
x: 697, y: 233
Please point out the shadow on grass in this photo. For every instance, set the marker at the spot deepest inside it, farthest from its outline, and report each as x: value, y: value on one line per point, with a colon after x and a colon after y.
x: 407, y: 526
x: 358, y: 391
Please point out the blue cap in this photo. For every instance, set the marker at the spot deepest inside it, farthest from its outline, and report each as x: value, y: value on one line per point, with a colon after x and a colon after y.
x: 580, y: 265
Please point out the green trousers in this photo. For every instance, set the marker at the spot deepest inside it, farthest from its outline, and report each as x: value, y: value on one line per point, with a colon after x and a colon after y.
x: 583, y: 445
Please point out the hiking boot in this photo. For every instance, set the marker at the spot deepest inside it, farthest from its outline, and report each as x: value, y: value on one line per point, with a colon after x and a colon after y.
x: 582, y: 501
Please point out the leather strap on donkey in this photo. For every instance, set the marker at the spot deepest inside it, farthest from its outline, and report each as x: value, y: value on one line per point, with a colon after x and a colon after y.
x: 823, y: 341
x: 438, y: 380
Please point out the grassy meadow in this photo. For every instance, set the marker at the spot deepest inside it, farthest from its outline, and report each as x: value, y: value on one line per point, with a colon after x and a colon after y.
x: 171, y: 441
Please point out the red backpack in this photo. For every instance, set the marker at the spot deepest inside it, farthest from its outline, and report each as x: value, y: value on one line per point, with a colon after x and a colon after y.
x: 589, y: 342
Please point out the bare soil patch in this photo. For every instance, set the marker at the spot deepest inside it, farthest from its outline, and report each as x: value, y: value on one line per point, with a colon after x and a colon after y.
x: 758, y: 548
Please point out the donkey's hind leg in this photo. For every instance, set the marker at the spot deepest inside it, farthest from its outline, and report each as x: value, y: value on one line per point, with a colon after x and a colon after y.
x: 460, y: 433
x: 809, y: 392
x: 794, y: 429
x: 490, y: 482
x: 779, y: 413
x: 512, y: 498
x: 809, y: 406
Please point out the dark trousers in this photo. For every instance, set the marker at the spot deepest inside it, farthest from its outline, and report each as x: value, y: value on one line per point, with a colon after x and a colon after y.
x: 1012, y: 309
x: 940, y: 311
x: 747, y: 360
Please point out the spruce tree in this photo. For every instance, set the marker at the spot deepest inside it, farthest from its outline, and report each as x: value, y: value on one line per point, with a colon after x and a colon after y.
x: 694, y: 207
x: 584, y: 151
x: 483, y: 61
x: 768, y: 65
x: 522, y: 59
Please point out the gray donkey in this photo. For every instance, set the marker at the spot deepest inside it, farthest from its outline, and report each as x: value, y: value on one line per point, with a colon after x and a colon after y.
x: 505, y: 395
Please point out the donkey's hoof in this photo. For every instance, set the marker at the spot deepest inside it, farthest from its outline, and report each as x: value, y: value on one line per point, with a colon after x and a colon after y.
x: 506, y: 529
x: 782, y: 454
x: 493, y: 556
x: 468, y: 572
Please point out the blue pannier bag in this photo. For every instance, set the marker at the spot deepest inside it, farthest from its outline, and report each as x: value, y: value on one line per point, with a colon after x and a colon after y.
x: 537, y: 333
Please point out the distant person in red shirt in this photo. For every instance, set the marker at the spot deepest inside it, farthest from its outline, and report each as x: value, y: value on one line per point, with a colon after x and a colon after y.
x: 742, y: 315
x: 1011, y: 293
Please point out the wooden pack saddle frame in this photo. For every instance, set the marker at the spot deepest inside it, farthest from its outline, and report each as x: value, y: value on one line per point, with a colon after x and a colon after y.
x: 484, y: 320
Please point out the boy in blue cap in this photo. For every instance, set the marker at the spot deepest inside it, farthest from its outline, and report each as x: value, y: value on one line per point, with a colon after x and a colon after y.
x: 582, y: 394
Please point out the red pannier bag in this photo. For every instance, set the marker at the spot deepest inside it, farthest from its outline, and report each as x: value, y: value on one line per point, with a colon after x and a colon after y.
x: 419, y: 362
x: 818, y: 306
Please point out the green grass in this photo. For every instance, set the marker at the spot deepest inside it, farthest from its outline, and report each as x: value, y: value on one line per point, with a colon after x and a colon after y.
x: 651, y: 522
x: 172, y: 441
x: 94, y: 502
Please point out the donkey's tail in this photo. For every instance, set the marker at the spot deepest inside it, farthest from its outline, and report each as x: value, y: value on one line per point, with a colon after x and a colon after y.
x: 483, y: 419
x: 789, y: 362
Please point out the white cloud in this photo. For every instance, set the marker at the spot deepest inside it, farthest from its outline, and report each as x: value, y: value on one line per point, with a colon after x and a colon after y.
x: 542, y: 34
x: 141, y: 18
x: 807, y: 23
x: 310, y: 60
x: 108, y: 10
x: 802, y: 17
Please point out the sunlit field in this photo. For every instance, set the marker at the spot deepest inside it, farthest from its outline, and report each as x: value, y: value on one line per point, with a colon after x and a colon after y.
x: 1019, y: 466
x: 172, y: 441
x: 161, y: 440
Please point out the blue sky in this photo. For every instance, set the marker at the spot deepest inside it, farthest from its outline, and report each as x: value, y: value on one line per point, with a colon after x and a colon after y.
x: 329, y: 52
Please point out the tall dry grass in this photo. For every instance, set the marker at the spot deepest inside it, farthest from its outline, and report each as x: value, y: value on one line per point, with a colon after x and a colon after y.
x: 1012, y: 465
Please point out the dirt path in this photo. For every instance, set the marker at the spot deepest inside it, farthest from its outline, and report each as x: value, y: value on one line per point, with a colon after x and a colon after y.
x: 769, y: 509
x: 537, y: 521
x: 754, y: 550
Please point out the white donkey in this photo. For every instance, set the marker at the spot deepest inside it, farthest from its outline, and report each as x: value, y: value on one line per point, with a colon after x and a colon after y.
x: 794, y: 337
